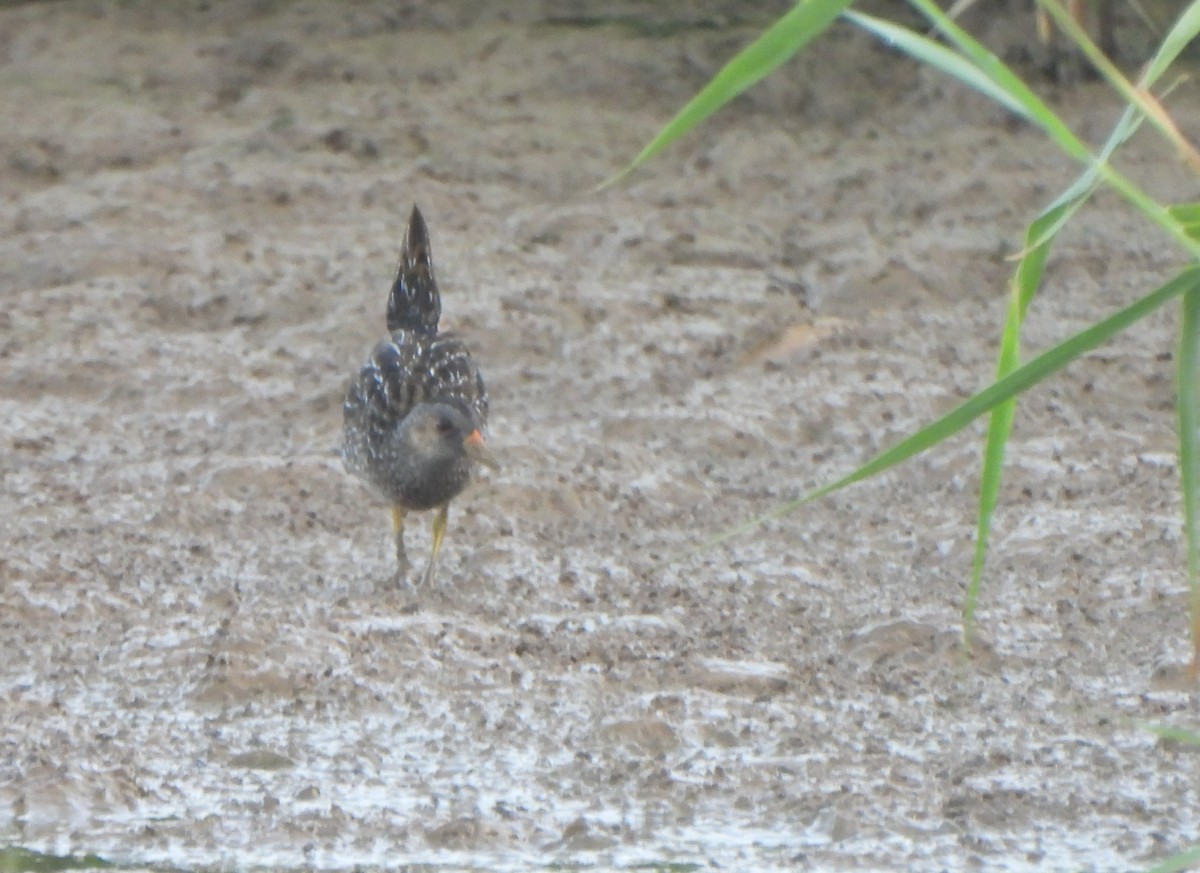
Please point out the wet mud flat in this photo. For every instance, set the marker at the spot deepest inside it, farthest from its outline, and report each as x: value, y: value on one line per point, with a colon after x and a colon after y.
x: 202, y: 211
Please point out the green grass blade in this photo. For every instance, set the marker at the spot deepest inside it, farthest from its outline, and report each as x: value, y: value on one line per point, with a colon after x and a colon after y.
x: 1189, y: 462
x: 1166, y: 732
x: 999, y: 428
x: 1041, y: 232
x: 1034, y: 108
x: 1185, y: 29
x: 989, y: 398
x: 777, y: 43
x: 1132, y: 95
x: 1017, y: 98
x: 1040, y: 114
x: 18, y: 858
x: 1077, y: 193
x: 1188, y: 215
x: 1185, y: 860
x: 1014, y: 97
x: 1038, y: 238
x: 1026, y: 279
x: 936, y: 55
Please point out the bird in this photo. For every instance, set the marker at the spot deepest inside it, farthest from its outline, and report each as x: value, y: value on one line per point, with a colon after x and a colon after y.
x: 414, y: 416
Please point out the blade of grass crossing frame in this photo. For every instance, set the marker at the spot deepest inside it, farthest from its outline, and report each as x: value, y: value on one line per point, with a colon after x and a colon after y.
x: 936, y: 55
x: 977, y: 65
x: 1039, y: 235
x: 1133, y: 96
x: 1027, y: 277
x: 1054, y: 127
x: 1019, y: 99
x: 1187, y: 214
x: 1185, y: 860
x: 1189, y: 471
x: 777, y: 44
x: 1025, y: 282
x: 1185, y: 29
x: 1066, y: 204
x: 1168, y: 732
x: 1035, y: 108
x: 1021, y: 379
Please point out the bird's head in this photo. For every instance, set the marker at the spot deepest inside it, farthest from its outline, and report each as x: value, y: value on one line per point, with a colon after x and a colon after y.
x: 442, y: 432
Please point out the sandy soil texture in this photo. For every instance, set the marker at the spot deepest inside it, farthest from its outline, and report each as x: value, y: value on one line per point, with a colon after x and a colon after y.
x: 202, y: 205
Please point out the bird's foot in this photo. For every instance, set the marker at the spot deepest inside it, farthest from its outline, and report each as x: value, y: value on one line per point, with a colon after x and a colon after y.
x: 429, y: 575
x: 398, y: 581
x: 400, y: 586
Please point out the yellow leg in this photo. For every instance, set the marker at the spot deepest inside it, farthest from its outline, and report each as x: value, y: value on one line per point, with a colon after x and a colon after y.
x: 401, y: 556
x: 439, y: 532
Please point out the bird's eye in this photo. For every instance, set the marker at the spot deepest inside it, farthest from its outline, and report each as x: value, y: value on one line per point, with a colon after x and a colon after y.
x: 445, y: 426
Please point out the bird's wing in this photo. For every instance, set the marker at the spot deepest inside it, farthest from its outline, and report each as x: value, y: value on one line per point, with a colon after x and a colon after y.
x: 388, y: 385
x: 450, y: 376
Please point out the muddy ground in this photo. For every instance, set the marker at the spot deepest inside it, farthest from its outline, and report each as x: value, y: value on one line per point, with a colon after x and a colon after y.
x: 202, y: 206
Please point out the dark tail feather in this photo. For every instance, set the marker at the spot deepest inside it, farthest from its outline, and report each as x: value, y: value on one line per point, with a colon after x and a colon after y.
x: 414, y: 303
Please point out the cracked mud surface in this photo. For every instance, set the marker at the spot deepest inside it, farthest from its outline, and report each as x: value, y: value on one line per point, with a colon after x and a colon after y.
x: 202, y: 211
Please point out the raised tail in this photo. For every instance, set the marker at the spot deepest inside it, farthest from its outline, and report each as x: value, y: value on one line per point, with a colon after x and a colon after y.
x: 414, y: 303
